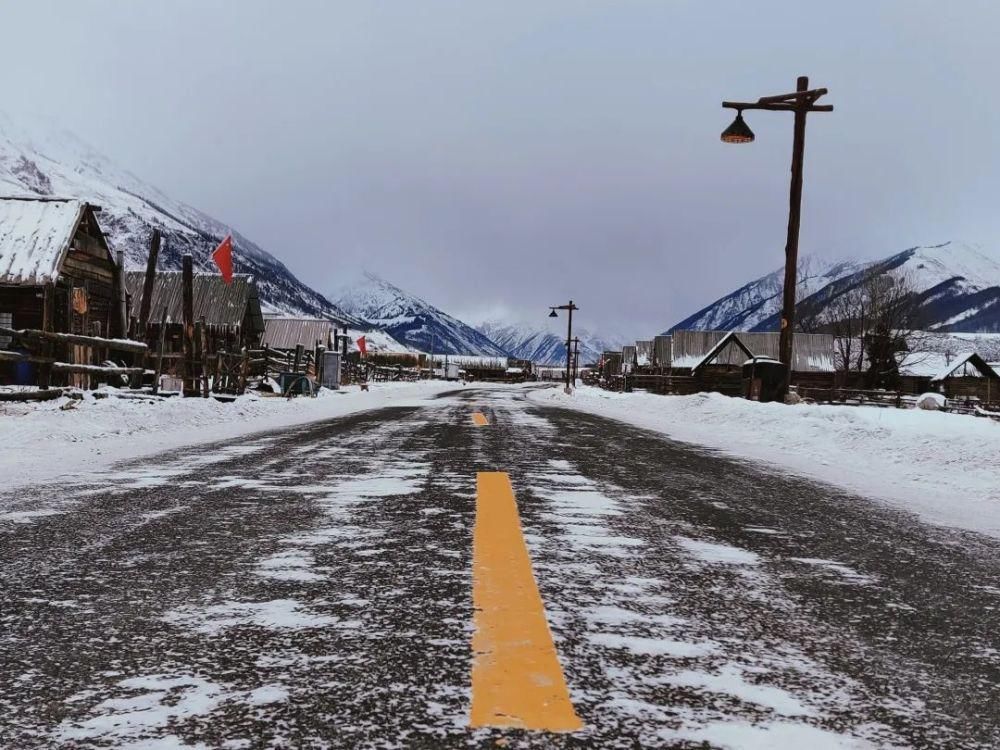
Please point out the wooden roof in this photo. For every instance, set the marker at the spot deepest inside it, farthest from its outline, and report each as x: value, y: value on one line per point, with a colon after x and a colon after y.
x: 36, y: 234
x: 972, y: 359
x: 219, y: 303
x: 715, y: 351
x: 287, y: 333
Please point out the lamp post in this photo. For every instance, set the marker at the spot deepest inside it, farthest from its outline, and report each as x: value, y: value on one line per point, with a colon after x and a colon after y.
x: 576, y: 358
x: 569, y: 336
x: 801, y: 102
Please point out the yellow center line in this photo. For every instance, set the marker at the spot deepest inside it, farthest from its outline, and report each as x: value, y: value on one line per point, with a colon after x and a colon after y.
x: 480, y: 419
x: 516, y: 677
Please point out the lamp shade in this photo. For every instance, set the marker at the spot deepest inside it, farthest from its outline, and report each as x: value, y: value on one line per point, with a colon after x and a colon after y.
x: 738, y: 132
x: 553, y: 314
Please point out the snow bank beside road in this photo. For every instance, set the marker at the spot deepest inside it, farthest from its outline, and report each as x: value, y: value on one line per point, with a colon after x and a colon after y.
x: 41, y: 441
x: 942, y: 466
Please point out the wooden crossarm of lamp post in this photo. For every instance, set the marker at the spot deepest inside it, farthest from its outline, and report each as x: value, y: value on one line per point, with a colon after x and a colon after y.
x: 779, y: 107
x: 813, y: 94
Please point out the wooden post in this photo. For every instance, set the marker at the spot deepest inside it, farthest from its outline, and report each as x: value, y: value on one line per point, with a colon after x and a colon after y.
x: 298, y: 358
x: 159, y: 351
x: 48, y: 324
x: 199, y: 359
x: 147, y: 285
x: 121, y: 319
x: 244, y: 370
x: 786, y: 337
x: 187, y: 283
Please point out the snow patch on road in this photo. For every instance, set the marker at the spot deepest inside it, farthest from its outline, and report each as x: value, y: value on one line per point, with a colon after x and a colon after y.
x: 278, y: 614
x: 776, y: 735
x: 713, y: 552
x: 151, y: 704
x: 653, y: 646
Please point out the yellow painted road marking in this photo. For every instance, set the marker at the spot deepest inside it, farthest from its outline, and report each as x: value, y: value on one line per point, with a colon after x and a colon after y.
x: 480, y: 419
x: 516, y: 677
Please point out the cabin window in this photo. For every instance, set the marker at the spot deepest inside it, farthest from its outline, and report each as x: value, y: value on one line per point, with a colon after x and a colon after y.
x: 6, y: 321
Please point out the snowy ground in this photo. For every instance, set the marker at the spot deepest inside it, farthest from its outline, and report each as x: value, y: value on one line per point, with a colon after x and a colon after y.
x: 941, y: 466
x: 311, y: 587
x: 97, y: 432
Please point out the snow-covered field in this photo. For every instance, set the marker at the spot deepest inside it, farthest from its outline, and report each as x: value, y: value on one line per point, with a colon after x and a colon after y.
x: 941, y: 466
x: 45, y: 441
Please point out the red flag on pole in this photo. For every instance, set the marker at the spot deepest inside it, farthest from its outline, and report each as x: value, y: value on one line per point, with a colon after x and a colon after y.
x: 223, y: 257
x: 362, y: 346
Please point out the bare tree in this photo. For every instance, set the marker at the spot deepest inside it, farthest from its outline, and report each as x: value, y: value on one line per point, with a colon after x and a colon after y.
x: 871, y: 322
x: 892, y: 324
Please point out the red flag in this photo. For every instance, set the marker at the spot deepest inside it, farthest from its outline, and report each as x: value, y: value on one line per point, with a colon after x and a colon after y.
x: 223, y: 257
x: 362, y: 346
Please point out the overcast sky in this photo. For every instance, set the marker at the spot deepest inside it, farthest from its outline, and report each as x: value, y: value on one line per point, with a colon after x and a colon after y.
x: 510, y: 155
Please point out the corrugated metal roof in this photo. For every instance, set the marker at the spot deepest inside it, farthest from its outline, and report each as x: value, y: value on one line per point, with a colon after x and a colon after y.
x: 219, y: 303
x: 34, y: 237
x: 288, y: 333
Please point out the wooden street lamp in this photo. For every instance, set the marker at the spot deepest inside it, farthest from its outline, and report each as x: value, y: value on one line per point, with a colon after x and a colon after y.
x: 569, y: 336
x: 801, y: 102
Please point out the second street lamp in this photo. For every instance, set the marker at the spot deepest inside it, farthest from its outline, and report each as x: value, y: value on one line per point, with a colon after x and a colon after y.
x: 569, y: 336
x: 801, y: 102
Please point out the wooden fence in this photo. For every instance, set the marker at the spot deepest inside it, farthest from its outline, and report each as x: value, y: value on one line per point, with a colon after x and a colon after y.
x: 70, y: 359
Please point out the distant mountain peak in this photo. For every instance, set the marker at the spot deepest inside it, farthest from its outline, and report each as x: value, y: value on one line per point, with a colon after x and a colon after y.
x: 539, y: 343
x: 412, y: 320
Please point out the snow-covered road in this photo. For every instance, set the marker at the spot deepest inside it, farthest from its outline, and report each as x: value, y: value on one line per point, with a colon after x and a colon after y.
x: 312, y: 588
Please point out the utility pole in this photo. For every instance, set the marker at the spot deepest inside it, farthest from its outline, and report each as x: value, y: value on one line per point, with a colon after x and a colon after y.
x: 569, y: 337
x: 801, y: 102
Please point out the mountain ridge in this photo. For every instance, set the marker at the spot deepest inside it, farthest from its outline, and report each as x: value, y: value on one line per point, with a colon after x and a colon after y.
x: 411, y: 320
x: 957, y: 288
x: 47, y: 161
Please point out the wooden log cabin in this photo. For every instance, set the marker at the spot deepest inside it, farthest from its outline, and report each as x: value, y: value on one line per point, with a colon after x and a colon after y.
x: 57, y: 272
x: 230, y: 314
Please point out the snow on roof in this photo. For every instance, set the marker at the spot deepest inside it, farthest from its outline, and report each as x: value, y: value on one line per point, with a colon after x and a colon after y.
x: 34, y: 237
x: 971, y: 358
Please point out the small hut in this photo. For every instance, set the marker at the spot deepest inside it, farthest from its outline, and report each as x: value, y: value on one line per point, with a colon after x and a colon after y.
x: 230, y: 313
x: 56, y: 269
x: 968, y: 378
x: 57, y: 276
x: 287, y: 334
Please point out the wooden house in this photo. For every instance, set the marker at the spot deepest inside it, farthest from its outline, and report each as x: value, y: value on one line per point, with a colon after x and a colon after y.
x: 230, y: 314
x: 968, y: 378
x: 57, y: 275
x: 56, y: 269
x: 286, y: 334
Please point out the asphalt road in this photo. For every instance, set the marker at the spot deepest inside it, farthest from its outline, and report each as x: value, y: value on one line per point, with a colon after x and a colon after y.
x: 313, y: 588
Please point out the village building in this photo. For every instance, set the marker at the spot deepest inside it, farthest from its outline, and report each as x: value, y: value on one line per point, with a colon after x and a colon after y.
x: 57, y: 276
x: 968, y: 378
x: 57, y: 272
x: 230, y: 314
x: 288, y: 333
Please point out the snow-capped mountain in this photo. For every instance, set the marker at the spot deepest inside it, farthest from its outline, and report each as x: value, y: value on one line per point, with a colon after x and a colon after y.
x: 957, y: 287
x: 749, y: 306
x: 543, y: 346
x: 44, y: 160
x: 412, y: 321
